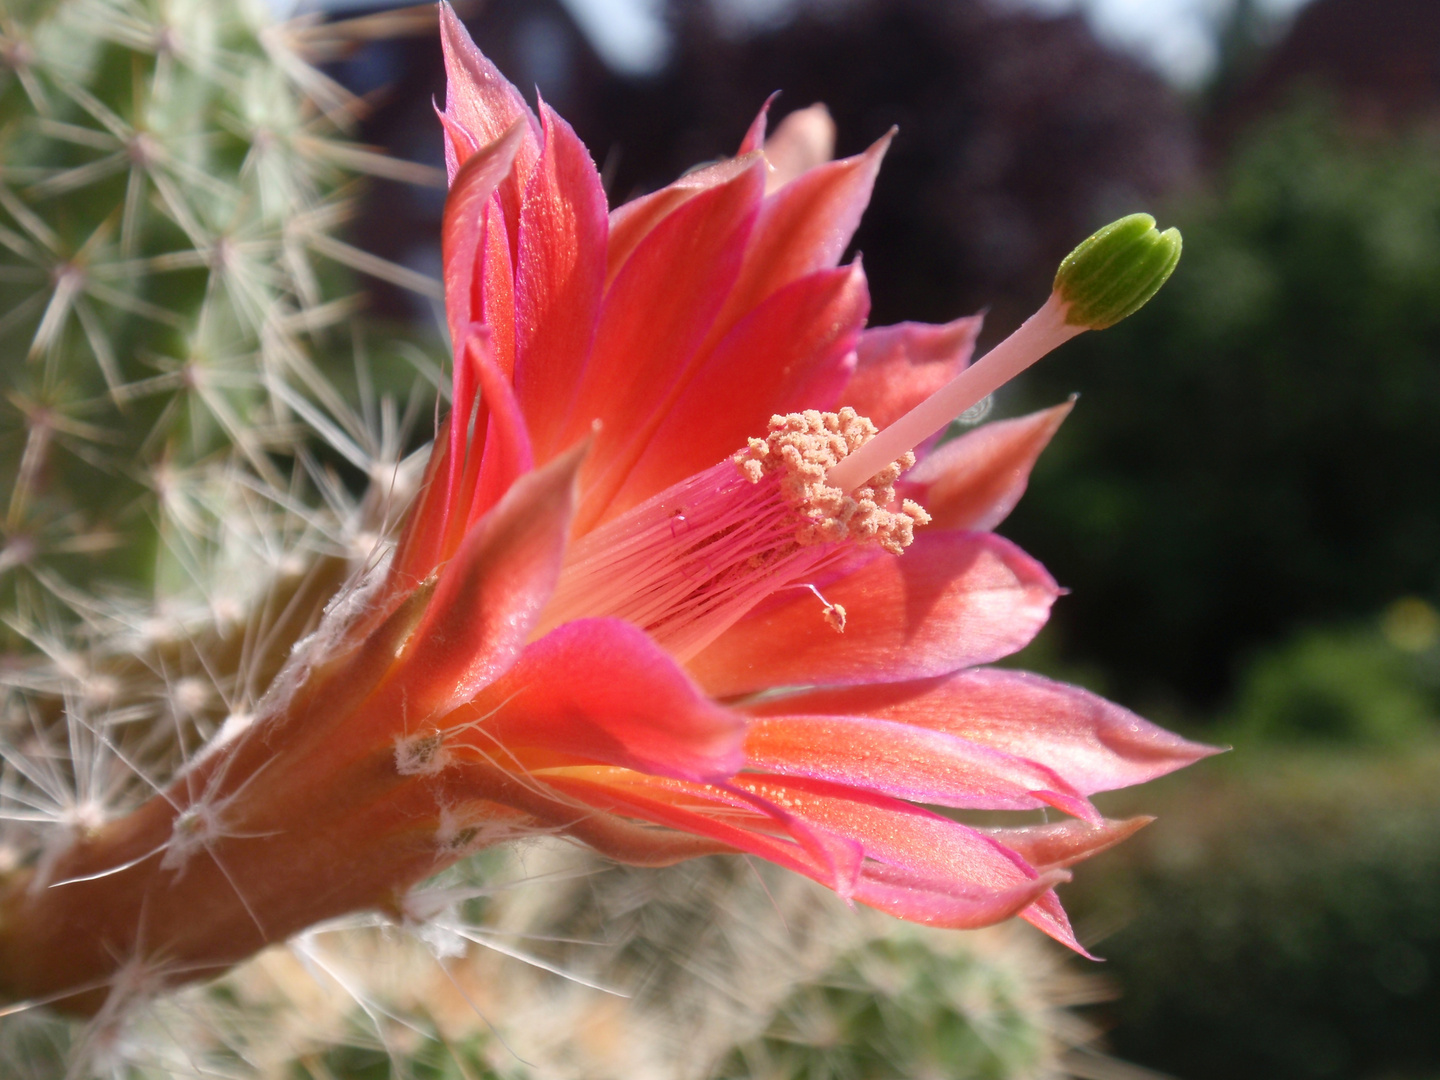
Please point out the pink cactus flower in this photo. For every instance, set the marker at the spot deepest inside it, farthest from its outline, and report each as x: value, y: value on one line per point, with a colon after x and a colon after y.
x: 708, y: 357
x: 664, y: 590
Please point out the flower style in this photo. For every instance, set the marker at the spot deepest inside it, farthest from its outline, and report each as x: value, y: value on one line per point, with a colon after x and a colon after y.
x: 664, y: 590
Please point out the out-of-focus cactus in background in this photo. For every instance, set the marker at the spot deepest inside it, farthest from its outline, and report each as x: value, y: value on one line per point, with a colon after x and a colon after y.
x: 171, y: 281
x: 171, y: 186
x: 173, y: 175
x: 189, y: 472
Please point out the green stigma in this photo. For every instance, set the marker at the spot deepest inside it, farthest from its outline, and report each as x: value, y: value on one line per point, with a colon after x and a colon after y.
x: 1116, y: 271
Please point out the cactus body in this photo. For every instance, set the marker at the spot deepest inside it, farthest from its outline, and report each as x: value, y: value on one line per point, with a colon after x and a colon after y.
x: 168, y: 194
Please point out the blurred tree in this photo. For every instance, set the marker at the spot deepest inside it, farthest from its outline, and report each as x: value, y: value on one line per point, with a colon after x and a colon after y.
x: 1257, y: 449
x: 1378, y: 57
x: 1376, y: 683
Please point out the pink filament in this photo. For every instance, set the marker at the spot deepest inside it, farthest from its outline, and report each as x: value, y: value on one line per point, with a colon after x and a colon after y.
x: 691, y: 561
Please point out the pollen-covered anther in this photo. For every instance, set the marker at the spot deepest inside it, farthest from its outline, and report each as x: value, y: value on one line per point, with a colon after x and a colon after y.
x: 692, y: 560
x: 802, y: 447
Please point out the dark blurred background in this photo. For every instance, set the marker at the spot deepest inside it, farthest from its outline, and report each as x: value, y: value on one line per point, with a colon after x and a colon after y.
x: 1245, y: 503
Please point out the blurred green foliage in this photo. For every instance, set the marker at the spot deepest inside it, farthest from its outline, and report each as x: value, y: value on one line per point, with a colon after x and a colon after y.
x: 1281, y: 920
x: 1256, y: 450
x: 1375, y: 685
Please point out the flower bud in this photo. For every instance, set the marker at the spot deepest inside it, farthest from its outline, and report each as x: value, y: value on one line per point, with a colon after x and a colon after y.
x: 1116, y: 271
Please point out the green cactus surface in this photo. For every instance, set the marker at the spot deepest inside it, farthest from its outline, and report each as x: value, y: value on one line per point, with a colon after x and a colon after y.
x: 173, y: 175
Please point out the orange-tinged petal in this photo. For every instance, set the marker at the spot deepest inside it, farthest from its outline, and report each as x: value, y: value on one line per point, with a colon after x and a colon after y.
x: 950, y: 601
x: 480, y: 105
x: 490, y: 594
x: 463, y: 240
x: 497, y: 288
x: 793, y: 352
x: 558, y: 279
x: 803, y: 227
x: 417, y: 552
x: 751, y: 821
x: 1094, y: 744
x: 477, y: 97
x: 632, y: 222
x: 1048, y: 916
x: 1058, y: 844
x: 507, y: 453
x: 652, y: 320
x: 943, y: 904
x: 600, y: 688
x: 498, y: 450
x: 462, y: 232
x: 703, y: 812
x: 932, y: 869
x: 896, y: 759
x: 973, y: 482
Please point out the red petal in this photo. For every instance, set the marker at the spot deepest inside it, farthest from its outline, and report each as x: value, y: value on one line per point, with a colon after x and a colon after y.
x: 793, y: 352
x: 558, y: 280
x: 973, y: 482
x: 496, y: 298
x: 933, y: 903
x: 601, y: 689
x: 462, y: 232
x: 677, y: 809
x: 653, y: 318
x: 934, y: 870
x: 632, y: 222
x: 477, y: 96
x: 906, y: 762
x: 950, y: 601
x: 481, y: 470
x: 803, y: 227
x: 490, y: 594
x: 920, y: 866
x: 418, y: 550
x: 900, y: 366
x: 463, y: 236
x: 1092, y: 743
x: 1046, y: 915
x: 842, y: 857
x: 481, y: 104
x: 740, y: 818
x: 507, y: 453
